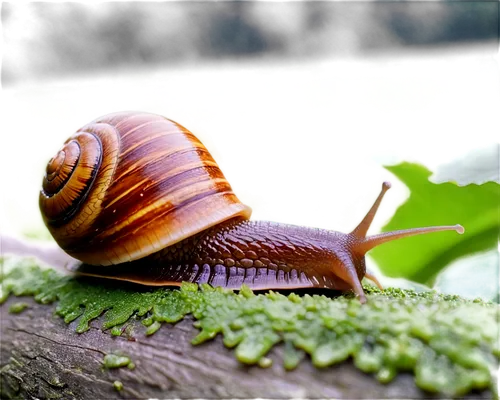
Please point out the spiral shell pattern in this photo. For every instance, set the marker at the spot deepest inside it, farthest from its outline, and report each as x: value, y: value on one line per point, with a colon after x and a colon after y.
x: 130, y: 184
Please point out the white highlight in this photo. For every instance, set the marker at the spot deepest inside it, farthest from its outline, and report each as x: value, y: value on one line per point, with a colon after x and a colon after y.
x: 238, y: 98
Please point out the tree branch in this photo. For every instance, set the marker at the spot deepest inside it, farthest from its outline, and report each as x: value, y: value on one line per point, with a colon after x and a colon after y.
x: 42, y: 357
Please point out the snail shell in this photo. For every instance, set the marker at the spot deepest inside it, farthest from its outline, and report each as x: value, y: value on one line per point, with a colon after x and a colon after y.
x: 130, y: 184
x: 141, y: 191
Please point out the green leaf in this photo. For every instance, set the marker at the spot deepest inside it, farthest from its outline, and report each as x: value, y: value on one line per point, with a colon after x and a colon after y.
x: 421, y: 258
x: 478, y: 276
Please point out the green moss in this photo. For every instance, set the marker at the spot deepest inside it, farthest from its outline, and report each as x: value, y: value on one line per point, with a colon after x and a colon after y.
x: 55, y: 381
x: 265, y: 362
x: 449, y: 343
x: 17, y: 308
x: 116, y: 361
x: 118, y: 386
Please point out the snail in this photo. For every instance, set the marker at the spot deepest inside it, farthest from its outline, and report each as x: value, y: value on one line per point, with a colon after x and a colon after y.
x: 137, y: 197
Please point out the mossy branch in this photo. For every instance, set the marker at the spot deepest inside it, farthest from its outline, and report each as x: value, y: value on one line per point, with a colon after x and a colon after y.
x: 449, y: 344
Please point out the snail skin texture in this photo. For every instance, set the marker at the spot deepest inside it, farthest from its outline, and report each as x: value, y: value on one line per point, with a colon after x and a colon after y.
x: 137, y: 197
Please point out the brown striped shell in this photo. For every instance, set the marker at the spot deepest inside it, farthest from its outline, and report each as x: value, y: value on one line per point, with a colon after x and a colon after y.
x: 130, y: 184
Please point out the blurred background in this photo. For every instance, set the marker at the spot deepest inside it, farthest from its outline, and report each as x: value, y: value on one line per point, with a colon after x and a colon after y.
x: 377, y: 26
x: 45, y: 40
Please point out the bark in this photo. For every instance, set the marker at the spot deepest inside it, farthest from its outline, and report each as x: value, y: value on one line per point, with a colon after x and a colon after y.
x: 42, y: 357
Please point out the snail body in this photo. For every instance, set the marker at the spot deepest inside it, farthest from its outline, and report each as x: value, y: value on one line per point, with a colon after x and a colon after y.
x: 137, y: 197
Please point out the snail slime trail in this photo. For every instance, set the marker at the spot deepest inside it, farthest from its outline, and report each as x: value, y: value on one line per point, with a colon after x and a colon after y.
x: 157, y: 210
